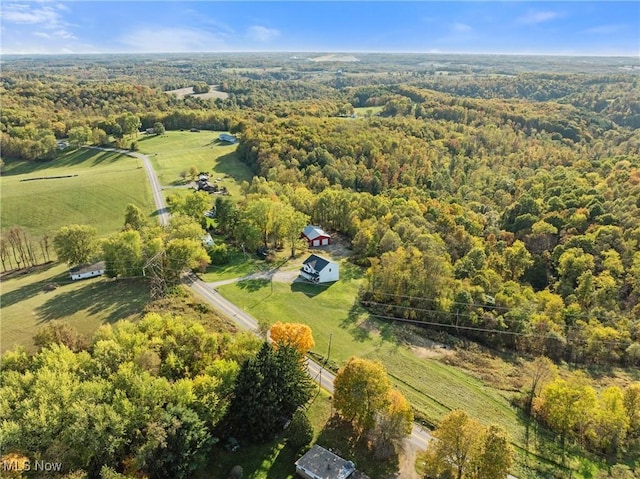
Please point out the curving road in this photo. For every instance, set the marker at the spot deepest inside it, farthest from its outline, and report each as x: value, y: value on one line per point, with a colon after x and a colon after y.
x: 419, y: 437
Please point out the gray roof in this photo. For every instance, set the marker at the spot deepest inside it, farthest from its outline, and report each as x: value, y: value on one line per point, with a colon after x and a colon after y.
x: 87, y: 268
x: 312, y: 232
x: 324, y: 464
x: 316, y: 262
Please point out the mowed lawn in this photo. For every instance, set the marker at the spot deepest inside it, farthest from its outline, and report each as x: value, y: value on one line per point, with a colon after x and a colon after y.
x: 177, y: 151
x: 97, y: 193
x: 27, y: 305
x: 432, y: 387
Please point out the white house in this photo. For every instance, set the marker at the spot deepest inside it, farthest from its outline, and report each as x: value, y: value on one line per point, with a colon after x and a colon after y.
x: 315, y: 236
x: 228, y: 138
x: 319, y: 270
x: 87, y: 270
x: 319, y: 463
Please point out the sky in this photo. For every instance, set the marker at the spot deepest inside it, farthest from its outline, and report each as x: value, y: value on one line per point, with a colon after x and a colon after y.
x: 510, y: 27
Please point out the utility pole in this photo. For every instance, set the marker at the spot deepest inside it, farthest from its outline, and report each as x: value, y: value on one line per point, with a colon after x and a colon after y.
x: 154, y: 268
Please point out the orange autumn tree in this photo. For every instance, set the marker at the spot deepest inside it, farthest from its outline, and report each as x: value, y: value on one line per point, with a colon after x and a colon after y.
x: 296, y: 335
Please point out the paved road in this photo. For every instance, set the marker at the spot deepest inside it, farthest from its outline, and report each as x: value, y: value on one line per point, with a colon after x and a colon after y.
x: 419, y: 437
x: 161, y: 207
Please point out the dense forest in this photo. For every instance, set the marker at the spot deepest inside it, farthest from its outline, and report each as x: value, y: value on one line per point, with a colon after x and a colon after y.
x: 488, y: 203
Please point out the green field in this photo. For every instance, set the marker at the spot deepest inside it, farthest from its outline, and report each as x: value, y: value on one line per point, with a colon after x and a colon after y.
x: 85, y: 305
x: 97, y: 193
x: 363, y: 111
x: 432, y: 387
x: 177, y: 151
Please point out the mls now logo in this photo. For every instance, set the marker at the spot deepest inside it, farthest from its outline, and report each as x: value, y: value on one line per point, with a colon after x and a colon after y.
x: 25, y: 465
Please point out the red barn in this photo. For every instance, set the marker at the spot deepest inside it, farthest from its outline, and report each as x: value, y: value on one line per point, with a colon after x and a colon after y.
x: 315, y: 236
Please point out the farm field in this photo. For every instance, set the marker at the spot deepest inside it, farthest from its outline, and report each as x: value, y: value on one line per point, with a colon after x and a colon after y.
x: 85, y: 305
x: 188, y: 91
x: 97, y: 191
x: 364, y: 110
x: 177, y: 151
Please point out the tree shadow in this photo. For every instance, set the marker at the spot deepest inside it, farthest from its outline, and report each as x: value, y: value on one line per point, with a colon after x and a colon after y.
x: 253, y: 285
x: 308, y: 289
x: 65, y: 160
x: 17, y: 273
x: 159, y: 212
x: 181, y: 182
x: 358, y: 330
x: 340, y: 438
x: 230, y: 165
x: 118, y: 299
x: 32, y: 289
x: 254, y: 459
x: 284, y: 461
x: 350, y: 271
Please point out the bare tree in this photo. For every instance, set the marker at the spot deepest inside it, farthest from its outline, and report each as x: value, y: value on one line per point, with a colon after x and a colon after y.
x: 46, y: 243
x: 14, y: 238
x: 4, y: 254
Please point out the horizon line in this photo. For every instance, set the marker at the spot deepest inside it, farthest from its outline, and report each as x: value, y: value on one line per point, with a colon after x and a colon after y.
x: 335, y: 52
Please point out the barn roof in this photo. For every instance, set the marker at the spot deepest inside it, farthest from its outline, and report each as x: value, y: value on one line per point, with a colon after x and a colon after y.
x: 312, y: 232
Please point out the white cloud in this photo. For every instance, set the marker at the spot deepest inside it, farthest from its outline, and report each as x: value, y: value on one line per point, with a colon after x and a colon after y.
x: 262, y: 34
x: 26, y: 14
x: 605, y: 29
x: 62, y: 33
x: 535, y: 17
x: 461, y: 28
x: 46, y: 16
x: 171, y: 39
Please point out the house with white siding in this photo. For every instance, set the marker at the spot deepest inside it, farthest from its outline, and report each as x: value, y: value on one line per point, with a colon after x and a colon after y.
x: 320, y: 270
x: 84, y: 271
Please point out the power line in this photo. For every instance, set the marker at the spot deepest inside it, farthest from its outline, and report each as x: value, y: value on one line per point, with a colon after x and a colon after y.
x: 493, y: 331
x: 473, y: 305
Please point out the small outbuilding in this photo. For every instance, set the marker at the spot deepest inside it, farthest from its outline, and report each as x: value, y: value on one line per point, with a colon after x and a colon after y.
x: 320, y: 463
x: 84, y: 271
x: 320, y: 270
x: 315, y: 236
x: 228, y: 138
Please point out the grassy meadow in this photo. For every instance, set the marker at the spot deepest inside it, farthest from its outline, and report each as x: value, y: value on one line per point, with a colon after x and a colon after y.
x: 177, y: 151
x: 433, y: 387
x: 97, y: 192
x: 27, y: 304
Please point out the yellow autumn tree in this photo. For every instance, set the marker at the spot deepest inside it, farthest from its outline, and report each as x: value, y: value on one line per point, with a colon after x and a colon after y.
x: 296, y: 335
